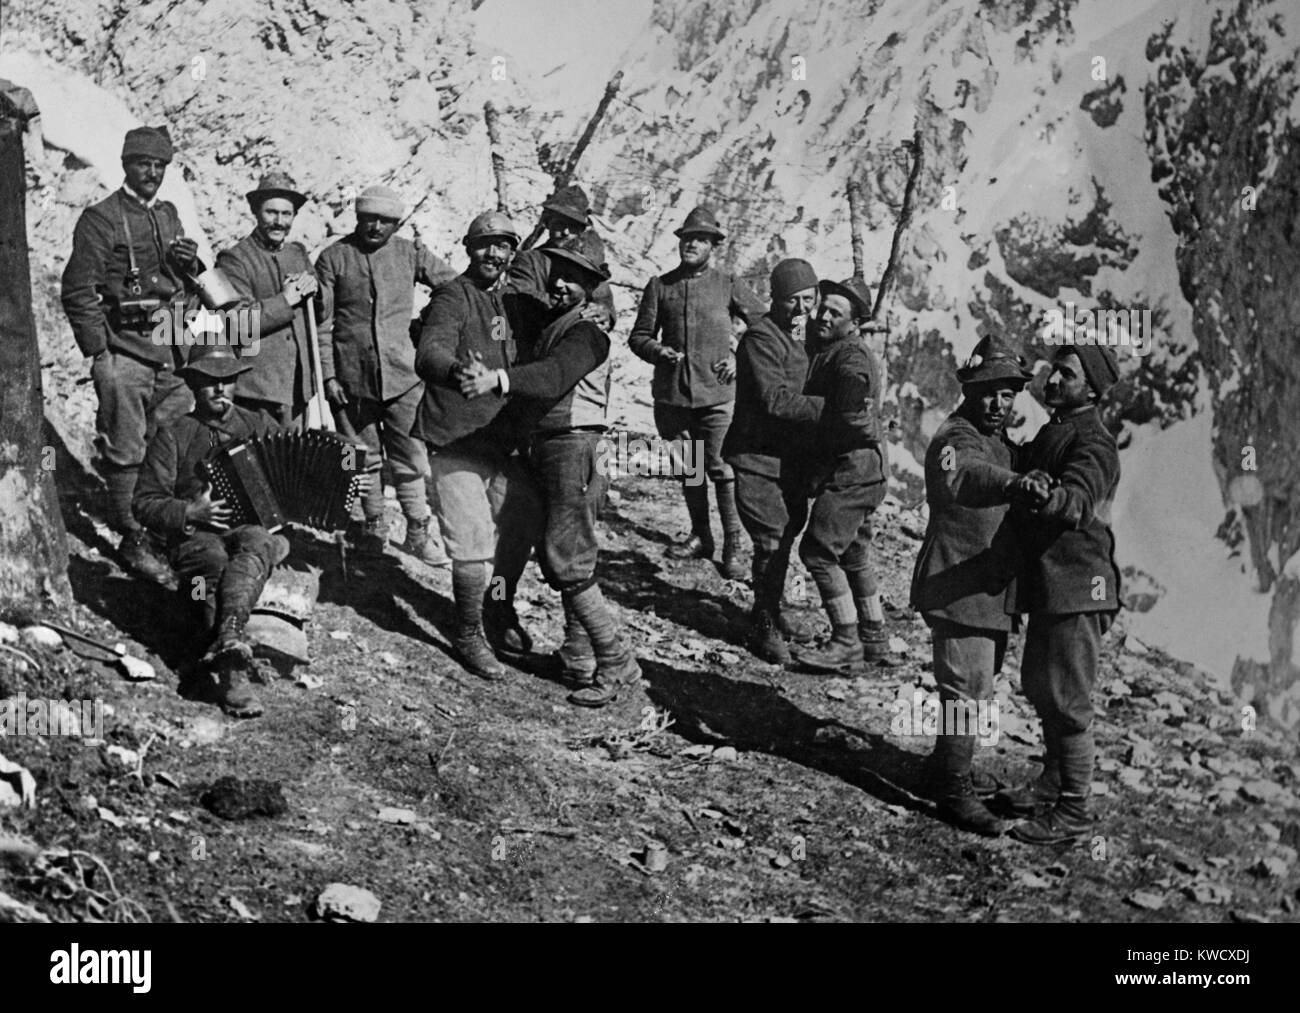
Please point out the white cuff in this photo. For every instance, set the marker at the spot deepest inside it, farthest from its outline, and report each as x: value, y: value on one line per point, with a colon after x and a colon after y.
x: 503, y: 382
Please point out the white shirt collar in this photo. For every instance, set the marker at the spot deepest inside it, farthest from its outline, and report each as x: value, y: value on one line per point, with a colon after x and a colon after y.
x: 137, y: 198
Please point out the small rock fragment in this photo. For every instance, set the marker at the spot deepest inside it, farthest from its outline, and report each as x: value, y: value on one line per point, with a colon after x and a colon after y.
x: 341, y: 902
x: 725, y: 754
x: 1146, y: 900
x: 389, y: 814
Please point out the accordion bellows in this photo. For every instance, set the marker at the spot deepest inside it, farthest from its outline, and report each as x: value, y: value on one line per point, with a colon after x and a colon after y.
x: 310, y: 478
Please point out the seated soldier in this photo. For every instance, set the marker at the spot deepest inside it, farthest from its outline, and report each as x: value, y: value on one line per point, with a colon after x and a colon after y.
x: 219, y: 569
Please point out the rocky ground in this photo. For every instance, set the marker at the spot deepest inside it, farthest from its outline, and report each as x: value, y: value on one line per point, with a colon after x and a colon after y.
x: 777, y: 796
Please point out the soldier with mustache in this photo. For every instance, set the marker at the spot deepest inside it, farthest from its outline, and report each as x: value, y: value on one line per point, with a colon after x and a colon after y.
x: 130, y: 257
x: 367, y: 288
x: 474, y: 319
x: 274, y: 274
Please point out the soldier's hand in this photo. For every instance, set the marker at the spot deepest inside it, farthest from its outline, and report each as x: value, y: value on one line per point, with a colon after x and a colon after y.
x: 476, y: 379
x: 307, y: 285
x: 184, y: 251
x: 205, y: 510
x: 725, y: 369
x: 596, y: 313
x: 335, y: 394
x: 1032, y: 489
x: 671, y: 355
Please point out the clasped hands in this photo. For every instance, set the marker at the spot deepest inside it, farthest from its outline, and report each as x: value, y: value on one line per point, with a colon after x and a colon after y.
x: 1032, y: 490
x: 475, y: 379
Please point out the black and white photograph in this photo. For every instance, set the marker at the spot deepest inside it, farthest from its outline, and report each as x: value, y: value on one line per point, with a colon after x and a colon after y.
x: 651, y: 461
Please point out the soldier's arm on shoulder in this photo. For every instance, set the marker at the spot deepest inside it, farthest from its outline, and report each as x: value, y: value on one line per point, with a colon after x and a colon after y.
x: 1088, y: 479
x: 155, y: 503
x: 644, y: 339
x: 92, y: 244
x: 744, y: 303
x: 973, y: 479
x: 430, y: 269
x: 435, y: 356
x: 603, y: 296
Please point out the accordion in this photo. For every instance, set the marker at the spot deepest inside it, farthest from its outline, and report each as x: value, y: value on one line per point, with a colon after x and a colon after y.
x: 310, y: 478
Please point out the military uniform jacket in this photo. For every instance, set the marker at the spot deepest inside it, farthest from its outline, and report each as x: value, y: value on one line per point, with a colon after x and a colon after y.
x: 1068, y: 545
x: 366, y: 300
x: 690, y: 311
x: 462, y: 320
x: 968, y: 558
x: 281, y: 370
x: 773, y: 421
x: 170, y: 477
x: 95, y: 279
x: 846, y: 449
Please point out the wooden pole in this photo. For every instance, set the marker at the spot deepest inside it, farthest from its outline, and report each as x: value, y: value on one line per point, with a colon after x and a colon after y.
x: 498, y: 160
x: 854, y: 191
x: 571, y: 163
x: 33, y: 544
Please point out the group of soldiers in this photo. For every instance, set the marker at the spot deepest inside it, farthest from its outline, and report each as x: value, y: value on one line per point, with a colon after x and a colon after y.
x: 491, y: 412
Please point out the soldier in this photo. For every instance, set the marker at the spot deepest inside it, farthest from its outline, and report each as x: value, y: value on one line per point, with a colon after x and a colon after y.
x: 1069, y: 585
x: 471, y: 450
x: 130, y: 257
x: 684, y: 327
x: 566, y: 213
x: 560, y: 398
x: 963, y: 570
x: 846, y: 475
x: 769, y: 436
x: 221, y: 570
x: 367, y: 282
x: 275, y: 275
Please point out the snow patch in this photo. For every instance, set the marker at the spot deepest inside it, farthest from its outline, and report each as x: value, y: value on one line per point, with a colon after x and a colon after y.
x: 1166, y: 512
x: 79, y: 116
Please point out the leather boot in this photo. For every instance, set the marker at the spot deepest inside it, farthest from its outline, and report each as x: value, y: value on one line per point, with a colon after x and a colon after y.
x: 468, y: 585
x: 1040, y: 794
x: 792, y: 627
x: 732, y: 530
x: 503, y: 629
x: 139, y: 556
x: 733, y: 568
x: 763, y: 639
x: 763, y: 636
x: 576, y: 658
x: 423, y: 544
x: 841, y: 656
x: 985, y: 786
x: 959, y: 806
x: 616, y: 665
x: 230, y: 645
x: 699, y: 544
x: 875, y: 644
x: 1066, y: 822
x: 237, y: 697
